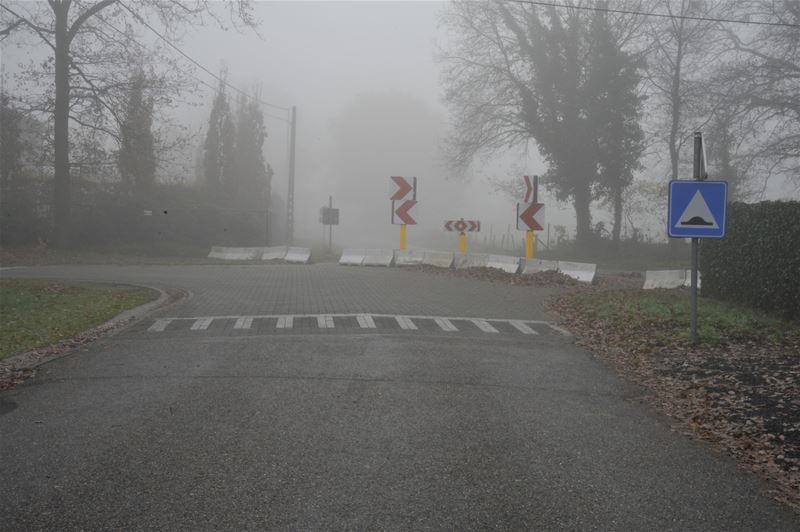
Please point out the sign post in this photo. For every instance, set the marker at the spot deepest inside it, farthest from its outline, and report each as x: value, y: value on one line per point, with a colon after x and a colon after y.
x: 532, y: 216
x: 696, y: 210
x: 330, y: 217
x: 463, y: 227
x: 403, y: 206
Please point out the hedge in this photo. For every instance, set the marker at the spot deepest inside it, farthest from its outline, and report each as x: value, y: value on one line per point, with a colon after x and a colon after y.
x: 758, y: 261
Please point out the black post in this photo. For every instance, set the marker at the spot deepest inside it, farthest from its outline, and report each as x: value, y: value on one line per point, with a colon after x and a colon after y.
x: 330, y: 226
x: 290, y: 195
x: 696, y: 174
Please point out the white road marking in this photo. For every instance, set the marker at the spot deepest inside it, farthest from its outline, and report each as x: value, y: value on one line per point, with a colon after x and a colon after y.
x: 521, y: 327
x: 365, y: 321
x: 484, y: 326
x: 160, y: 325
x: 405, y: 323
x: 445, y: 324
x: 245, y: 322
x: 201, y: 324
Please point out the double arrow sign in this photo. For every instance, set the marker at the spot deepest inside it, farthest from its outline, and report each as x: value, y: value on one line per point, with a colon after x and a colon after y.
x: 404, y: 200
x: 462, y: 225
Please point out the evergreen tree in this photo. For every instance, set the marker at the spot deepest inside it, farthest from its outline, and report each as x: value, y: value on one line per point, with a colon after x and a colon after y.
x: 218, y: 147
x: 251, y: 170
x: 136, y: 159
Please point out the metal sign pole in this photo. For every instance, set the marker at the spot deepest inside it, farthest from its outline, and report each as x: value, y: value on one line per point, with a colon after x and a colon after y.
x: 330, y: 227
x: 696, y: 174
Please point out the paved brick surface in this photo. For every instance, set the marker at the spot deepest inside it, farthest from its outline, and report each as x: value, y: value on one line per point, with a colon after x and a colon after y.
x: 318, y: 289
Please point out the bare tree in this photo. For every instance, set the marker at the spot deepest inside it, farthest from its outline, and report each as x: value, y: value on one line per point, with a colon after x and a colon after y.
x: 92, y: 44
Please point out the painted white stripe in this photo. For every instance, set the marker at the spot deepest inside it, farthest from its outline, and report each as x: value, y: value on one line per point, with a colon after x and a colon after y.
x: 484, y: 326
x: 244, y: 322
x: 521, y: 327
x: 445, y: 324
x: 405, y: 323
x: 559, y: 329
x: 201, y: 324
x: 285, y: 322
x: 365, y: 321
x: 325, y: 322
x: 160, y: 325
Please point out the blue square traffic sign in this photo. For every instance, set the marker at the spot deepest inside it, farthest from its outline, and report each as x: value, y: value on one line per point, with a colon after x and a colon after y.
x: 697, y: 209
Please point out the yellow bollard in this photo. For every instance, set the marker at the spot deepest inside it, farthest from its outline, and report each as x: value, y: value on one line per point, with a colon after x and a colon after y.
x: 530, y: 244
x: 462, y: 243
x: 402, y: 237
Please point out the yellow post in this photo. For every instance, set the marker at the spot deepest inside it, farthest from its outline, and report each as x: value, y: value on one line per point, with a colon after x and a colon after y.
x: 462, y: 243
x: 530, y: 244
x: 402, y: 237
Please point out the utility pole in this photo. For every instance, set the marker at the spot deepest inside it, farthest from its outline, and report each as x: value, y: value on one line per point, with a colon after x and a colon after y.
x: 290, y: 195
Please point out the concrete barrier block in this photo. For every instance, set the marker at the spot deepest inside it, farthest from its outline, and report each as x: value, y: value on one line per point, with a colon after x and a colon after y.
x: 352, y: 257
x: 506, y: 263
x: 378, y: 257
x: 530, y: 266
x: 688, y: 282
x: 226, y: 253
x: 408, y: 257
x: 298, y: 255
x: 440, y: 259
x: 665, y: 279
x: 274, y: 253
x: 471, y: 260
x: 581, y: 271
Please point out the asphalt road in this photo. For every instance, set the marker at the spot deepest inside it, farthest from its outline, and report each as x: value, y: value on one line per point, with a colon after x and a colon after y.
x: 326, y: 397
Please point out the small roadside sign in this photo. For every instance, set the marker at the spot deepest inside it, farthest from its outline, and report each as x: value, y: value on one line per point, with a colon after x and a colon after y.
x: 697, y: 209
x: 404, y: 212
x: 462, y: 225
x: 530, y: 216
x: 403, y: 188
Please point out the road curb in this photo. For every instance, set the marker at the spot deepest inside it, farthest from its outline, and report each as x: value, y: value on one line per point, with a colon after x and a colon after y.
x: 34, y: 358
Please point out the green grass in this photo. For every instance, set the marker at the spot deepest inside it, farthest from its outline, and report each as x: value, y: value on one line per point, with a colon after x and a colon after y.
x: 36, y: 313
x: 665, y: 314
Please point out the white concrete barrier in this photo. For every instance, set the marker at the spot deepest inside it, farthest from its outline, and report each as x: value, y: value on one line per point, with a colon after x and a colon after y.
x: 504, y: 262
x: 274, y: 253
x: 298, y: 255
x: 581, y: 271
x: 666, y: 279
x: 352, y: 257
x: 226, y: 253
x: 530, y: 266
x: 378, y: 257
x: 408, y: 257
x: 441, y: 259
x: 471, y: 260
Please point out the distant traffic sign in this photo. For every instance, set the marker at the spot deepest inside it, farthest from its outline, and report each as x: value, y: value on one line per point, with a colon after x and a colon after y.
x: 697, y: 209
x: 328, y: 216
x: 404, y: 212
x: 531, y: 186
x: 530, y: 216
x: 403, y: 188
x: 462, y: 225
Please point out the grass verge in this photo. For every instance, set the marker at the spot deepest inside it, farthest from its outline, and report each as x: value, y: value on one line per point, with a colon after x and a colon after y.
x: 738, y: 388
x: 37, y: 313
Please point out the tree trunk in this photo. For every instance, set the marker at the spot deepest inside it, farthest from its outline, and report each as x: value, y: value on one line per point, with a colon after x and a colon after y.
x: 583, y: 216
x: 61, y: 180
x: 617, y: 217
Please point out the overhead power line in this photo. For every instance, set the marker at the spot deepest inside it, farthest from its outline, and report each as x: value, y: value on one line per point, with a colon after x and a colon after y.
x: 196, y: 63
x: 652, y: 14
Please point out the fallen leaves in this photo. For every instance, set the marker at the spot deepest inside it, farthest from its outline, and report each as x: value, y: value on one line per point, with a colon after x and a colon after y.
x: 742, y: 397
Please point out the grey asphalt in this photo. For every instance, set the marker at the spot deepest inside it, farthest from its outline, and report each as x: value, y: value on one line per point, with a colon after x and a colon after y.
x: 347, y: 428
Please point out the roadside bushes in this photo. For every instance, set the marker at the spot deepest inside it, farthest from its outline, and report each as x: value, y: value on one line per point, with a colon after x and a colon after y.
x: 758, y: 261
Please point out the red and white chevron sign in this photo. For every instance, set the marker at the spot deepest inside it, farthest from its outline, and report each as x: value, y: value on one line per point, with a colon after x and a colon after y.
x: 403, y: 188
x: 462, y: 226
x: 404, y: 212
x: 530, y: 216
x: 528, y: 189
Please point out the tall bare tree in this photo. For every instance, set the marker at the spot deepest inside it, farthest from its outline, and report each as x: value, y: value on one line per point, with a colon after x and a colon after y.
x: 92, y: 44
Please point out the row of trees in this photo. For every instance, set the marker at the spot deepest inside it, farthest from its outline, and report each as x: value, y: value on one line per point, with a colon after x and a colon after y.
x: 85, y: 89
x: 600, y: 91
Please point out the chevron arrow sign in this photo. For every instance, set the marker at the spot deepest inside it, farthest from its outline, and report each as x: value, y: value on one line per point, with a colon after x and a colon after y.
x: 404, y: 212
x: 530, y: 216
x: 403, y: 188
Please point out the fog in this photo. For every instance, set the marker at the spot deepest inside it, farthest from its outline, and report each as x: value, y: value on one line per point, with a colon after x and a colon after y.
x: 366, y: 85
x: 369, y: 95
